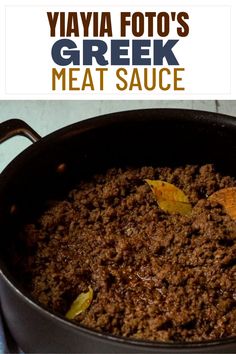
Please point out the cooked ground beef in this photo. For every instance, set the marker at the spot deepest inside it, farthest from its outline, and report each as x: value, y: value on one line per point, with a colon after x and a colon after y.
x: 155, y: 276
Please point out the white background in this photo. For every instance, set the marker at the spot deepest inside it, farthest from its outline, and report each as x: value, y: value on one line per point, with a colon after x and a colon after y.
x: 208, y: 53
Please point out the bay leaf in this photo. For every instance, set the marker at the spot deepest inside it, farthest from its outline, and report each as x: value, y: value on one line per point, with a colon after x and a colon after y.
x: 227, y: 198
x: 80, y: 304
x: 170, y: 198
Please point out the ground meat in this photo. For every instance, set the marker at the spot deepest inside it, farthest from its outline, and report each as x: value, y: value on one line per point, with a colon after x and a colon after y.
x: 155, y: 276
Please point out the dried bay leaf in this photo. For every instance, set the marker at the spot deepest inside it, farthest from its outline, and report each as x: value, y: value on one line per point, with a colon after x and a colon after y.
x: 80, y: 304
x: 170, y: 198
x: 227, y: 198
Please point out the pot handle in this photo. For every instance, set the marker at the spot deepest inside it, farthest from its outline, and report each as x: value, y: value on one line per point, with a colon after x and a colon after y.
x: 13, y: 127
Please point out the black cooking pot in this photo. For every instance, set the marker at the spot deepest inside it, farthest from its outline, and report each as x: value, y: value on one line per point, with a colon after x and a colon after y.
x: 48, y: 168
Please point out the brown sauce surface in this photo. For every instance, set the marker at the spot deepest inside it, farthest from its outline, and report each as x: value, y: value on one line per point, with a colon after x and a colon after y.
x: 155, y: 276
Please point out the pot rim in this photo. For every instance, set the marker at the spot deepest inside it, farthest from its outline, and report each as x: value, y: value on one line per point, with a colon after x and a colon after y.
x: 173, y: 115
